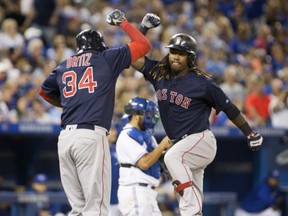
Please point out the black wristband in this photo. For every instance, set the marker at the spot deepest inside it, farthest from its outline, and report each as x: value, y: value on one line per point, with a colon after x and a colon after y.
x: 143, y: 29
x: 246, y: 129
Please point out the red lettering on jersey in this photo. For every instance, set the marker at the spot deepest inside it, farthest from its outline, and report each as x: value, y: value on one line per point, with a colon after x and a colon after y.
x: 69, y: 62
x: 75, y: 61
x: 158, y: 94
x: 172, y: 96
x: 69, y: 78
x: 186, y: 103
x: 78, y: 61
x: 161, y: 94
x: 87, y: 80
x: 179, y: 99
x: 88, y: 57
x: 81, y: 60
x: 164, y: 94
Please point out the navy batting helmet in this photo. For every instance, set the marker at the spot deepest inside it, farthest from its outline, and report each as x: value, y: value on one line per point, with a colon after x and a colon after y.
x: 186, y: 43
x: 90, y: 39
x: 142, y: 106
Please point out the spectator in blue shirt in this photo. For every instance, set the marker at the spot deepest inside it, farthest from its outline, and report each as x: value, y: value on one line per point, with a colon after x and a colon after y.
x: 265, y: 200
x: 40, y: 185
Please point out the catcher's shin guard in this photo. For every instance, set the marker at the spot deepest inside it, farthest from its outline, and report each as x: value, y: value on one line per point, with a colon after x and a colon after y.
x: 179, y: 187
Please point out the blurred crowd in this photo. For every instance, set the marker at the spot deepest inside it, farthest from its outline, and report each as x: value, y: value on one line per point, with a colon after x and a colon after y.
x: 242, y: 43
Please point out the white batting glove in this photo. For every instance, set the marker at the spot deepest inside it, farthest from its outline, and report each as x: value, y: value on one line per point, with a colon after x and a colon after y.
x: 150, y: 20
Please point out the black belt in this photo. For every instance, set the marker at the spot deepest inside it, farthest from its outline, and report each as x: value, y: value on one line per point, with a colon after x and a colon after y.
x: 174, y: 141
x: 146, y: 185
x: 126, y: 165
x: 85, y: 126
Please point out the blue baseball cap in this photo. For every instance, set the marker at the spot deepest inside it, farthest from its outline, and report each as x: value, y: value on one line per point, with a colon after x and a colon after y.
x: 40, y: 178
x: 274, y: 174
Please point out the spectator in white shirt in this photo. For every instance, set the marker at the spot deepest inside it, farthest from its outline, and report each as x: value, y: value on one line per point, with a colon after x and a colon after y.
x: 279, y: 104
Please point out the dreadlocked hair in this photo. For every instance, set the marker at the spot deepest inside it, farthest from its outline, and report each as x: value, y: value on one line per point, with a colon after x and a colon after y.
x: 199, y: 72
x: 163, y: 70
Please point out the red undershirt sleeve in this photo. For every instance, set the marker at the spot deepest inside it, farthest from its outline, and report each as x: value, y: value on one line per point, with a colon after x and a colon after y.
x: 139, y: 45
x: 53, y: 101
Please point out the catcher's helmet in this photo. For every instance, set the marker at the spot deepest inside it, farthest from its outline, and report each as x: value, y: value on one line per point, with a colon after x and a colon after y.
x: 184, y: 42
x: 90, y: 39
x: 142, y: 106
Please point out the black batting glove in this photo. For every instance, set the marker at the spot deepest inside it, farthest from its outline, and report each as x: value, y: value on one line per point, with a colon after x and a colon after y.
x: 254, y: 141
x: 116, y: 17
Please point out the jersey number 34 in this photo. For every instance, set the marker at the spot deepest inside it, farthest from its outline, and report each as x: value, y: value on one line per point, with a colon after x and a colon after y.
x: 69, y: 78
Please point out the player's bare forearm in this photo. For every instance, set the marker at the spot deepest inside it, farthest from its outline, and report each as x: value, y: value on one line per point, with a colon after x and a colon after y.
x: 150, y: 158
x: 138, y: 64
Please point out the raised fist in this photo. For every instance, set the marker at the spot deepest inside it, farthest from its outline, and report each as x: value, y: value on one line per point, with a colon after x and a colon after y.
x: 150, y: 20
x: 255, y: 141
x: 116, y: 17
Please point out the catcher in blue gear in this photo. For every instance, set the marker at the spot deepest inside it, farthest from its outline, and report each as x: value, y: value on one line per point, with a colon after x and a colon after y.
x: 138, y: 155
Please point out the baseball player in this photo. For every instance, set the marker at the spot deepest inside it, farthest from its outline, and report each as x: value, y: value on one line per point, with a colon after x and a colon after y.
x: 138, y: 155
x: 186, y: 96
x: 84, y: 85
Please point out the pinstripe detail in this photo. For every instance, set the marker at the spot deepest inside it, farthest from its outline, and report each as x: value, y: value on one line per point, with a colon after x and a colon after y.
x: 193, y: 188
x: 103, y: 159
x: 197, y: 198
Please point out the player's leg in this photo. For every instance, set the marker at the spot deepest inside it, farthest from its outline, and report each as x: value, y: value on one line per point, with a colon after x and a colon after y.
x: 126, y: 200
x: 68, y: 172
x: 149, y: 205
x: 138, y: 200
x: 94, y: 170
x: 182, y: 180
x: 198, y: 175
x: 194, y: 152
x: 114, y: 210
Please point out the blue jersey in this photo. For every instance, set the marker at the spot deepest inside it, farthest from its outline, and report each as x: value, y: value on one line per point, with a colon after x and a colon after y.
x: 86, y: 85
x: 261, y: 198
x: 185, y: 103
x: 146, y: 137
